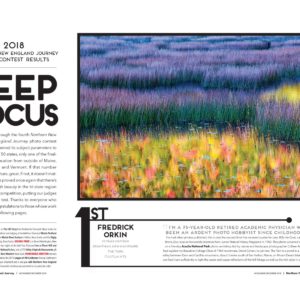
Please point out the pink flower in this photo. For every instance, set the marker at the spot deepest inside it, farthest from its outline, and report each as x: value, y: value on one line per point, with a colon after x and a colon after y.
x: 190, y: 154
x: 150, y: 173
x: 171, y: 194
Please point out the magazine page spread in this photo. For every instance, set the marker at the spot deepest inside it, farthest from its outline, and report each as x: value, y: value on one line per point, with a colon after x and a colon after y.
x: 144, y: 157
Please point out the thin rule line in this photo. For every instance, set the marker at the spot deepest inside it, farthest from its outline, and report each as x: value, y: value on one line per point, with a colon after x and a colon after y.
x: 27, y: 67
x: 197, y: 220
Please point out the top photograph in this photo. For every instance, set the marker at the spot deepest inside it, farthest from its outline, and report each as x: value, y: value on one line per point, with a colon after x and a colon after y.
x: 188, y: 117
